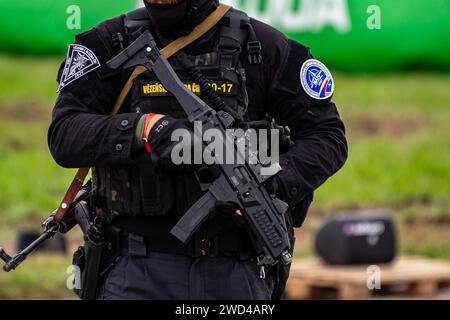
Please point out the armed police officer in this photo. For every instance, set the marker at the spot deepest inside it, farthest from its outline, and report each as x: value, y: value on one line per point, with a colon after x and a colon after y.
x: 240, y: 65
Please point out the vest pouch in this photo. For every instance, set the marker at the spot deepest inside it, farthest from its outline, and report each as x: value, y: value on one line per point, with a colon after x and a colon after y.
x: 163, y: 192
x: 150, y: 187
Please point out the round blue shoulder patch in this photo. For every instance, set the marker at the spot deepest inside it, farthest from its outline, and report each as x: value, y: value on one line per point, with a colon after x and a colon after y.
x: 316, y: 79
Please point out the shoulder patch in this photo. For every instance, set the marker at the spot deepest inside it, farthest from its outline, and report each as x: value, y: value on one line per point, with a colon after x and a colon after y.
x: 316, y: 79
x: 80, y: 61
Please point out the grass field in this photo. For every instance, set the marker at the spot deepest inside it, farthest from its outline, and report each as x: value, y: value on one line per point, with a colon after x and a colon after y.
x: 399, y: 135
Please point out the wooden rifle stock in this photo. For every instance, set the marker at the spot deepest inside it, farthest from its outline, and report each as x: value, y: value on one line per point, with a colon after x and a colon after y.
x: 70, y: 196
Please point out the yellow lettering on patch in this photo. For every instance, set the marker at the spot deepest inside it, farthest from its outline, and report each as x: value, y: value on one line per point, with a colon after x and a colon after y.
x: 196, y: 88
x: 161, y: 89
x: 146, y: 89
x: 158, y: 88
x: 222, y: 87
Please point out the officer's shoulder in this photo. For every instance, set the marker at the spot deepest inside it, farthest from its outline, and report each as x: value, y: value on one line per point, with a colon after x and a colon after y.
x: 90, y: 52
x: 274, y: 41
x: 288, y: 62
x: 100, y: 38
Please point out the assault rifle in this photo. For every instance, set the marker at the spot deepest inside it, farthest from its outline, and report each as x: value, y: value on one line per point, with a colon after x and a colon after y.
x: 62, y: 220
x: 242, y: 184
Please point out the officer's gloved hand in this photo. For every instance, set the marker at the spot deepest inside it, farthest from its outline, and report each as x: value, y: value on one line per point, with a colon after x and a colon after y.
x: 156, y: 135
x: 273, y: 186
x: 280, y: 185
x: 221, y: 215
x: 225, y: 209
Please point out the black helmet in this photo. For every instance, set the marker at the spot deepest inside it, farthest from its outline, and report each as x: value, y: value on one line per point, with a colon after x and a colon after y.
x: 179, y: 17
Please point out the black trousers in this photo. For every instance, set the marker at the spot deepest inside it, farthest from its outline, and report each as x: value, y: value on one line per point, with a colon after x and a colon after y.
x: 161, y: 276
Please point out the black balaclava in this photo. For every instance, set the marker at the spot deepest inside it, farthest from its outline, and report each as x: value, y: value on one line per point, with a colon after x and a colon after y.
x: 179, y: 19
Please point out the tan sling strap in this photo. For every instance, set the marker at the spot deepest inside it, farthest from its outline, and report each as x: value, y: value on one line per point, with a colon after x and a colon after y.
x: 168, y: 51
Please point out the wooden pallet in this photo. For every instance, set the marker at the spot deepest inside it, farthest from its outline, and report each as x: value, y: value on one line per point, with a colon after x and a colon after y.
x: 416, y: 277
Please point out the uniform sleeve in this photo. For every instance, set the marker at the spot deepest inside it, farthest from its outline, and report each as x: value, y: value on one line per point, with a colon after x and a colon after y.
x: 320, y: 148
x: 82, y: 132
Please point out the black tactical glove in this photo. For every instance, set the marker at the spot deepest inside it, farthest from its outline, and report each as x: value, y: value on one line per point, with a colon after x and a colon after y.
x: 161, y: 147
x: 223, y: 216
x: 299, y: 203
x: 273, y: 186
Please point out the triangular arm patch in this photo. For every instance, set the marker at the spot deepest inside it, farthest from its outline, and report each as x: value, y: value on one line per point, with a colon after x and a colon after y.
x: 80, y: 61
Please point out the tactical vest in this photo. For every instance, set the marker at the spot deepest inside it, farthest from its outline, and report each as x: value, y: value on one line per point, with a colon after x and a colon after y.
x: 216, y: 76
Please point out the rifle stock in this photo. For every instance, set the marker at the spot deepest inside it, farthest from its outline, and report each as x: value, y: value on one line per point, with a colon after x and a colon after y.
x: 63, y: 223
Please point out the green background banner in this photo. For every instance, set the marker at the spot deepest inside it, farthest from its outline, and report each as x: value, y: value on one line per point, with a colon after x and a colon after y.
x: 351, y: 35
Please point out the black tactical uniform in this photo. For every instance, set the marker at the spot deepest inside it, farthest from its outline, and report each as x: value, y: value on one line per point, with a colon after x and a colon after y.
x: 140, y: 201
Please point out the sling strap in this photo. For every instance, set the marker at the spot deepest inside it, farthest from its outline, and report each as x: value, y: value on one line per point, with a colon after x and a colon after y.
x: 167, y: 52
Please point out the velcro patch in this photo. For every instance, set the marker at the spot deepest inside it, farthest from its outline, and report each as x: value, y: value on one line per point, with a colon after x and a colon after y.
x: 79, y: 62
x: 156, y: 89
x: 316, y: 80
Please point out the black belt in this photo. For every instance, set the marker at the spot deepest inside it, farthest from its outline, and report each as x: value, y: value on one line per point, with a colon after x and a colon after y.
x: 135, y: 244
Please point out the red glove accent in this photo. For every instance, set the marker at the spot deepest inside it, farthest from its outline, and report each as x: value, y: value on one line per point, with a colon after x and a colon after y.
x: 150, y: 120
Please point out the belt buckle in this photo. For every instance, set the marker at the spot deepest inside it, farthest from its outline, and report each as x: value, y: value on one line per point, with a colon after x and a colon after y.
x: 209, y: 248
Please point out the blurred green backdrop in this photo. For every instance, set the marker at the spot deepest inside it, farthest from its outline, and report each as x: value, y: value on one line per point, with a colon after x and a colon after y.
x: 350, y: 35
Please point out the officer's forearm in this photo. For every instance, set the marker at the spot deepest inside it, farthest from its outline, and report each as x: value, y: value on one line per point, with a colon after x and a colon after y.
x: 313, y: 159
x: 88, y: 140
x: 143, y: 129
x: 138, y: 143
